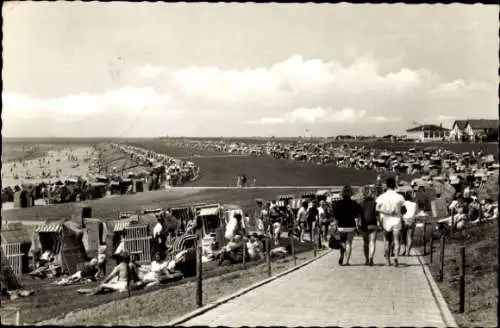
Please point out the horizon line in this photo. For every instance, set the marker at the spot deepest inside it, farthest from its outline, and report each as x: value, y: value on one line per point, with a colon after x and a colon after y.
x: 203, y: 137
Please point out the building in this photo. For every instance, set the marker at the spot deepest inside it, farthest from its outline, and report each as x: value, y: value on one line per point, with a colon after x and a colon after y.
x: 428, y: 132
x: 457, y: 131
x: 470, y: 130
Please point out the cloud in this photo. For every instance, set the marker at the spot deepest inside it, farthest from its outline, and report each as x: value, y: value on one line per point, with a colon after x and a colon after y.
x: 314, y: 115
x: 446, y: 118
x: 383, y: 119
x: 458, y: 88
x: 113, y: 113
x: 148, y: 71
x: 291, y: 77
x: 295, y: 91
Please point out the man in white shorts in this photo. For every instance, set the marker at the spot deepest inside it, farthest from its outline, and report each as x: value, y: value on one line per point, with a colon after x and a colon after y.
x: 391, y: 207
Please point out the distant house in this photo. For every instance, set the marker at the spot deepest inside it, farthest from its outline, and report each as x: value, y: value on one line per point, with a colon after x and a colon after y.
x: 428, y: 132
x: 458, y: 130
x: 471, y: 130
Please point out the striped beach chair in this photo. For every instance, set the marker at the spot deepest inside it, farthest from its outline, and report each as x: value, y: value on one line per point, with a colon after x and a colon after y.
x: 309, y: 195
x: 281, y: 203
x: 285, y: 197
x: 181, y: 243
x: 334, y: 198
x: 296, y: 203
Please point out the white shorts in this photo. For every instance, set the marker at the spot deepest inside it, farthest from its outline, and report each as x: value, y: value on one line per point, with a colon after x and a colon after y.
x: 346, y: 230
x: 391, y: 223
x: 119, y: 286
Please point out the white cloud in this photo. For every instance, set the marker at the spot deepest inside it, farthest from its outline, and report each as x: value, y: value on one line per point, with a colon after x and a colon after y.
x: 446, y: 118
x: 296, y: 91
x: 314, y: 115
x: 148, y: 71
x: 268, y: 120
x: 292, y: 76
x: 458, y: 88
x: 383, y: 119
x: 124, y: 101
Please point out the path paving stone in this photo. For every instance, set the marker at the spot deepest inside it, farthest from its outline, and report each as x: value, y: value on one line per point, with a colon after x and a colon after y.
x: 326, y: 294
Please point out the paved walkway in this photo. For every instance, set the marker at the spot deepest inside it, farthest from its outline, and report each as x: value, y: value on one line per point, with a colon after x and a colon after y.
x: 325, y: 294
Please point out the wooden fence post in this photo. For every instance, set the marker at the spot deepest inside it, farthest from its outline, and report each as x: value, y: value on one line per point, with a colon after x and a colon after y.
x: 292, y: 244
x: 199, y: 276
x: 314, y: 239
x: 431, y: 246
x: 18, y: 317
x: 268, y: 255
x: 244, y: 253
x: 462, y: 280
x: 441, y: 258
x: 424, y: 238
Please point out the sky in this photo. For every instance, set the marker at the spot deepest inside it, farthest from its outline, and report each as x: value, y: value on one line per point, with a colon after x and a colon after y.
x: 80, y: 69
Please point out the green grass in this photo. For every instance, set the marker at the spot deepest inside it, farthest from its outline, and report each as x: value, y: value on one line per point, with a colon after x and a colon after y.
x: 481, y: 291
x: 222, y: 171
x: 109, y: 208
x: 52, y: 301
x: 163, y: 305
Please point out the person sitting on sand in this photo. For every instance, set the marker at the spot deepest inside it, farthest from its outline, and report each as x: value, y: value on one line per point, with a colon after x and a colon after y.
x: 457, y: 220
x: 254, y: 248
x: 233, y: 251
x: 158, y: 270
x: 475, y: 213
x: 119, y: 279
x: 102, y: 259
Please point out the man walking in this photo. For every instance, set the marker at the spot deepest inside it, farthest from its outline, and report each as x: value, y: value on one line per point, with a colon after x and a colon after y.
x: 302, y: 220
x: 391, y: 207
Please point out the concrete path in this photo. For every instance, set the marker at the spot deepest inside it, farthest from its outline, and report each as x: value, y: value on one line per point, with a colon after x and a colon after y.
x: 326, y: 294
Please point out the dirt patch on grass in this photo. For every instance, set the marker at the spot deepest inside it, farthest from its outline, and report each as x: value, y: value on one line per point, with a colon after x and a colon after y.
x: 161, y: 306
x: 481, y: 292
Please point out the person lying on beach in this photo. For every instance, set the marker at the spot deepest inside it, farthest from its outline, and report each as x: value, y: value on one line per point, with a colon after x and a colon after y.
x: 88, y: 272
x: 46, y: 267
x: 157, y: 271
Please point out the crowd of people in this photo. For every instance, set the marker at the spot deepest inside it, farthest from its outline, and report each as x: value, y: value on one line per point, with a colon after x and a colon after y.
x: 161, y: 170
x: 393, y: 208
x: 411, y: 161
x: 168, y: 170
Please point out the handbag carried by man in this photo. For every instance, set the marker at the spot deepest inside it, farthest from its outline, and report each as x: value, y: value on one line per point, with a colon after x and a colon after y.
x: 335, y: 241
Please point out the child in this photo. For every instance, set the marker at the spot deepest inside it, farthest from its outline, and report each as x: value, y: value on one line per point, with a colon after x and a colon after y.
x: 102, y: 259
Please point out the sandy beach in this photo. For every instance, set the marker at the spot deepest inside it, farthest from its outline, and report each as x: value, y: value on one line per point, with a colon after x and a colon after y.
x: 55, y: 160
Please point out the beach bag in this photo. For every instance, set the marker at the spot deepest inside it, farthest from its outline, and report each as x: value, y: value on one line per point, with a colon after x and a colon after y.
x: 335, y: 242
